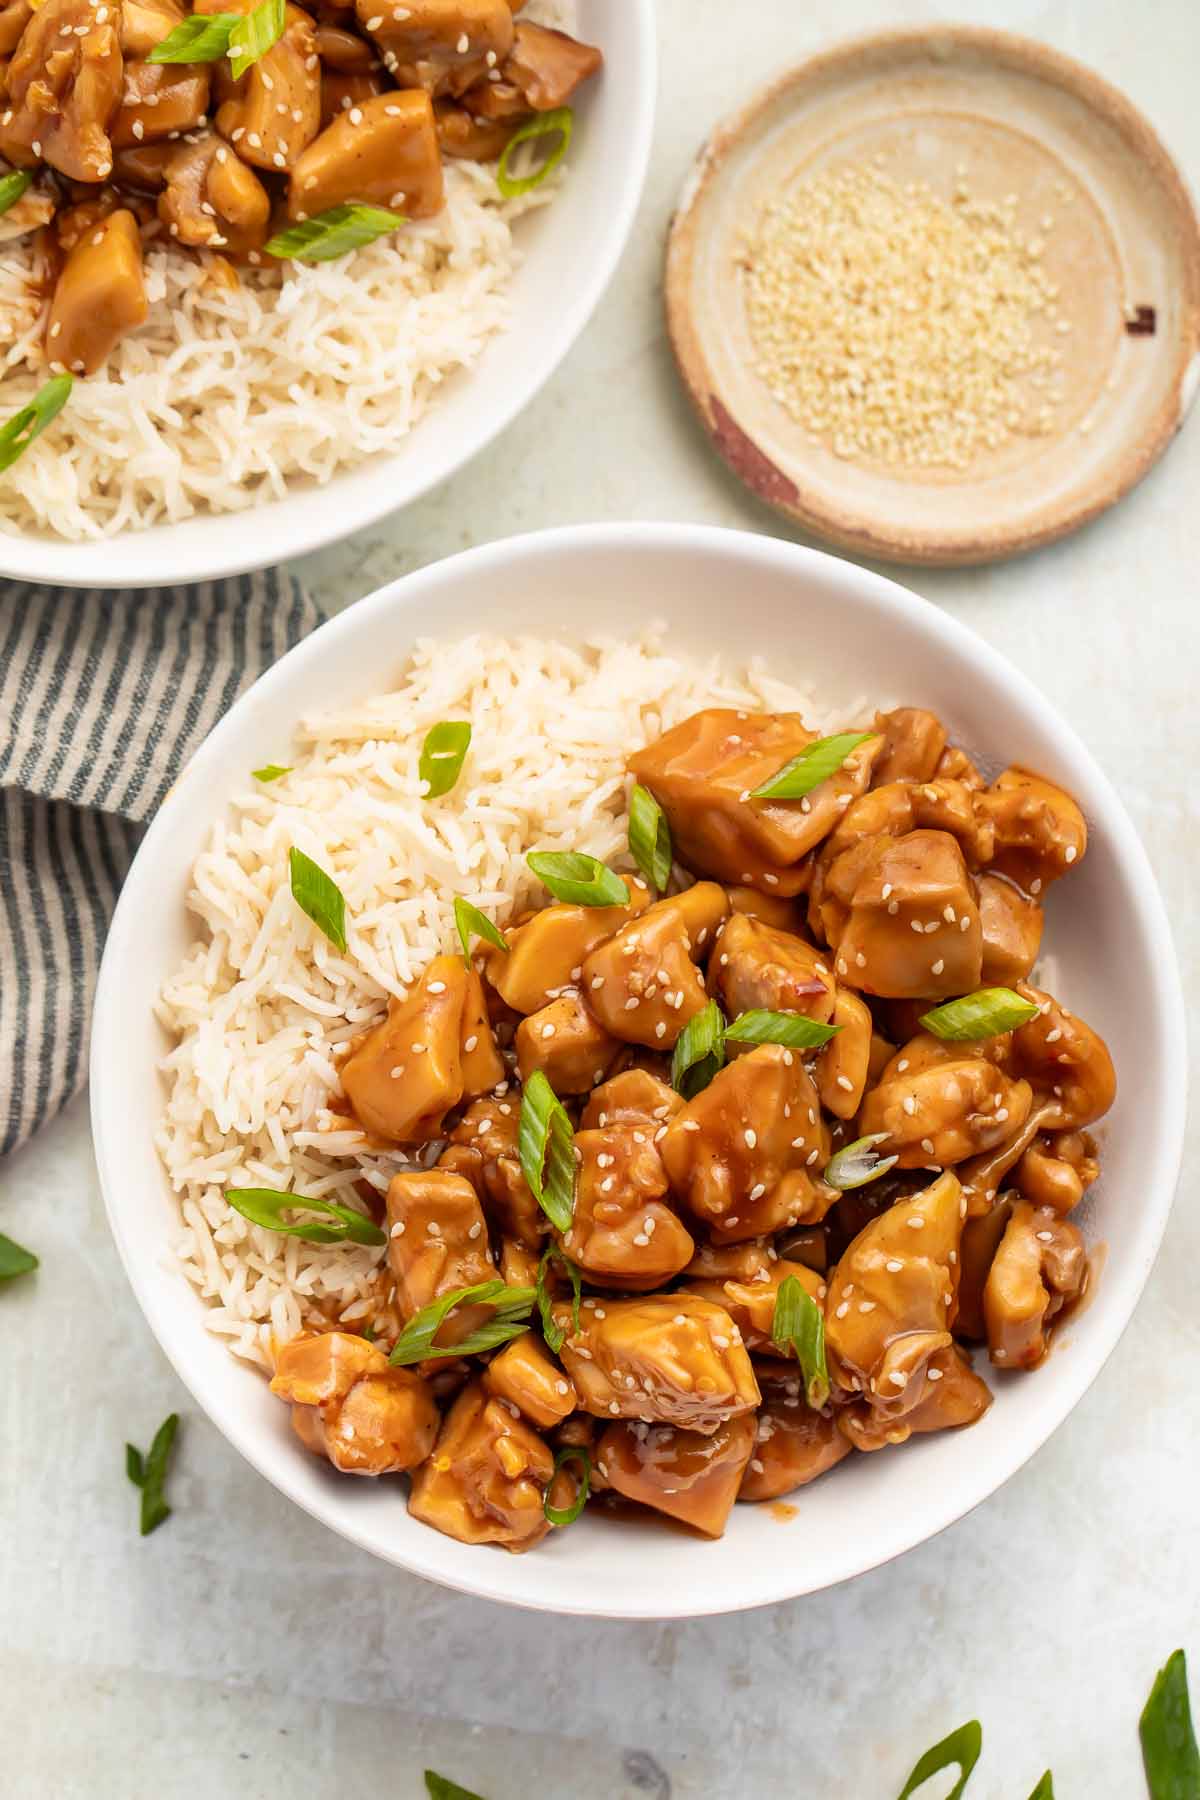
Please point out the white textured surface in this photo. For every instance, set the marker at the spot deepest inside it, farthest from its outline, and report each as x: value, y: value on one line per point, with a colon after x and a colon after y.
x: 243, y: 1651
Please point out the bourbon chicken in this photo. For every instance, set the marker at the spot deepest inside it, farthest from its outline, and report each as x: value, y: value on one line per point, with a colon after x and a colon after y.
x: 101, y: 106
x: 736, y: 1173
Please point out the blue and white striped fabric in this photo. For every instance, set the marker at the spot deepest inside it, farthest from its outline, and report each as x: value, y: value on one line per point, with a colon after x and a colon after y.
x: 103, y: 697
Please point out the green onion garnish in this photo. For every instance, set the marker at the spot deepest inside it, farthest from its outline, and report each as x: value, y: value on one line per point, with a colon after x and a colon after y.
x: 442, y: 756
x: 334, y: 233
x: 855, y: 1164
x: 962, y: 1747
x: 1044, y: 1789
x: 202, y: 38
x: 266, y: 1207
x: 794, y: 1029
x: 560, y: 118
x: 254, y: 34
x: 271, y: 771
x: 440, y: 1787
x: 472, y: 923
x: 650, y: 838
x: 509, y: 1320
x: 983, y: 1014
x: 799, y: 1324
x: 12, y: 186
x: 149, y: 1473
x: 15, y: 1259
x: 554, y: 1334
x: 699, y: 1051
x: 17, y: 433
x: 546, y: 1147
x: 319, y: 895
x: 578, y: 879
x: 567, y: 1515
x: 813, y: 766
x: 1169, y: 1752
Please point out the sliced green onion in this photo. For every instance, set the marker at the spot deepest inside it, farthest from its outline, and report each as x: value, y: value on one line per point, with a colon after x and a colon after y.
x: 554, y: 1334
x: 699, y: 1051
x: 567, y: 1515
x: 650, y: 838
x: 794, y: 1029
x: 200, y: 39
x: 855, y: 1164
x: 546, y: 1147
x: 149, y: 1473
x: 962, y: 1747
x: 442, y: 756
x: 319, y: 895
x: 560, y: 118
x: 578, y: 879
x: 984, y: 1014
x: 271, y: 771
x: 1044, y: 1789
x: 15, y: 1259
x: 12, y: 186
x: 799, y: 1324
x: 254, y: 34
x: 333, y: 233
x: 17, y: 433
x: 813, y: 766
x: 368, y: 1332
x: 440, y: 1787
x: 510, y: 1318
x: 472, y: 923
x: 1169, y: 1752
x: 266, y: 1207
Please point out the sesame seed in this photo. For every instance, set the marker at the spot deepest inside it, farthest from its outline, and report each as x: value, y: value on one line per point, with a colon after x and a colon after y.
x: 866, y: 1306
x: 839, y: 1312
x: 463, y: 44
x: 845, y: 1083
x: 937, y: 967
x: 475, y: 1229
x: 893, y: 1266
x: 398, y: 1229
x: 933, y: 1374
x: 470, y: 1043
x: 909, y: 1104
x: 927, y: 1146
x: 914, y: 1221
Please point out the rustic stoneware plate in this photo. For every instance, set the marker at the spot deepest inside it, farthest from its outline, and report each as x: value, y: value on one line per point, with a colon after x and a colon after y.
x: 1011, y: 119
x: 818, y: 618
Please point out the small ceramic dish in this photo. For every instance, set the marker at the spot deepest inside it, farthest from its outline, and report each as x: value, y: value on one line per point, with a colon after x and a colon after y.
x: 818, y: 619
x: 1012, y: 122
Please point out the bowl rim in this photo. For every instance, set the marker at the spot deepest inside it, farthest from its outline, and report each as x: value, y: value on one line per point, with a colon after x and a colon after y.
x: 1076, y: 1374
x: 274, y: 531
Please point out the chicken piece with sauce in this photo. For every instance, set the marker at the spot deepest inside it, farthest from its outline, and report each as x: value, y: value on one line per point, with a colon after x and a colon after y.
x: 486, y: 1479
x: 1038, y: 1272
x: 644, y: 984
x: 793, y: 1445
x: 437, y: 1242
x: 692, y: 1476
x: 671, y: 1358
x: 624, y: 1232
x: 349, y: 1404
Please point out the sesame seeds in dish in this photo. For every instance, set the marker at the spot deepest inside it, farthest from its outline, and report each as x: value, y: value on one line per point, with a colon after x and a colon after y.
x: 642, y: 1094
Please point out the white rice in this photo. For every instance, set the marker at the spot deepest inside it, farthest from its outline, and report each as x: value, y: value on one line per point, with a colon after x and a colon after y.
x: 222, y: 398
x: 262, y: 1003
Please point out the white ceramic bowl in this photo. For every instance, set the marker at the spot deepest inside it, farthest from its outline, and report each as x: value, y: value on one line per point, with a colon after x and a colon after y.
x: 568, y: 254
x: 1110, y: 957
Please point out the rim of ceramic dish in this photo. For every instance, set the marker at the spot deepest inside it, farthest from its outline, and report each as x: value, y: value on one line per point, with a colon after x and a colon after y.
x: 359, y: 496
x: 853, y: 528
x: 769, y: 1580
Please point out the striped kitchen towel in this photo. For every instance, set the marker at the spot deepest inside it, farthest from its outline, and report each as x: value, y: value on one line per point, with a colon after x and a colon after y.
x: 103, y: 697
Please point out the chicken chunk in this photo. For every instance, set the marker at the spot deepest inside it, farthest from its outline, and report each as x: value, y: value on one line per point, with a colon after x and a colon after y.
x: 437, y: 1242
x: 643, y: 984
x: 1040, y: 831
x: 566, y: 1041
x: 670, y: 1358
x: 461, y: 133
x: 623, y: 1233
x: 954, y: 1395
x: 487, y: 1131
x: 750, y: 1303
x: 945, y: 1111
x: 844, y: 1065
x: 274, y: 110
x: 14, y: 17
x: 981, y: 1236
x: 1057, y: 1169
x: 891, y: 1299
x: 100, y: 295
x: 386, y: 156
x: 913, y: 927
x: 159, y: 100
x: 524, y: 1374
x: 546, y: 951
x: 702, y: 773
x: 62, y: 88
x: 1012, y: 931
x: 212, y: 198
x: 793, y: 1444
x: 1039, y: 1270
x: 635, y: 1098
x: 756, y: 965
x: 913, y: 742
x: 745, y: 1155
x: 342, y: 90
x: 349, y: 1405
x: 546, y: 66
x: 1066, y: 1061
x: 691, y: 1475
x: 144, y: 24
x: 486, y: 1480
x: 443, y: 46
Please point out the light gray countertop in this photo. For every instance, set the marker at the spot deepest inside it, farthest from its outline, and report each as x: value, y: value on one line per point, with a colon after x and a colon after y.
x: 244, y: 1651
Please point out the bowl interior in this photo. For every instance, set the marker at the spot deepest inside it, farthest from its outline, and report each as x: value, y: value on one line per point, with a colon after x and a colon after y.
x: 812, y: 617
x: 568, y: 253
